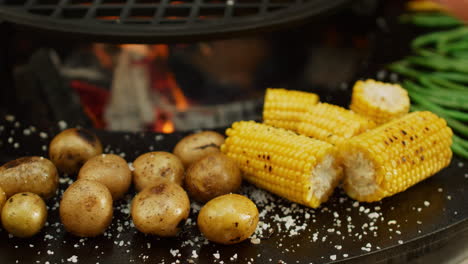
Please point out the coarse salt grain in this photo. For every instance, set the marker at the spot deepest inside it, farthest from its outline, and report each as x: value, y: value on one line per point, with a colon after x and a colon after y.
x: 73, y: 259
x: 62, y: 125
x: 426, y: 203
x: 333, y: 257
x: 373, y: 215
x: 255, y: 240
x: 216, y: 255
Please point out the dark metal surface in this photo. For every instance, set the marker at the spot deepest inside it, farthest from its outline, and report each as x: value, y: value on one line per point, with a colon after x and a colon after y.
x: 399, y: 229
x: 162, y: 20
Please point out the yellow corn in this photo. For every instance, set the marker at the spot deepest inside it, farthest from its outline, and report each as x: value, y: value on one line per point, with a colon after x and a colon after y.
x: 332, y: 123
x: 378, y: 101
x: 295, y: 167
x: 395, y: 156
x: 283, y: 108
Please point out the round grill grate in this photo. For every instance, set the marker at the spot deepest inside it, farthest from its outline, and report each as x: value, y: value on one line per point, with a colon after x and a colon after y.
x: 160, y: 20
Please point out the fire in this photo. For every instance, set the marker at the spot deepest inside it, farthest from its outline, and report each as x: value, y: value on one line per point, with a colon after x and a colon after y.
x: 162, y: 81
x: 168, y: 127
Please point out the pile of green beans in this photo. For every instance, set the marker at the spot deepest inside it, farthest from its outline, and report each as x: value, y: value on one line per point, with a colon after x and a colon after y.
x: 436, y: 75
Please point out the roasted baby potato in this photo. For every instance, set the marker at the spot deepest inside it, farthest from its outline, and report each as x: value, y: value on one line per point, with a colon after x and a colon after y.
x: 24, y: 214
x: 29, y: 174
x: 160, y: 209
x: 153, y: 165
x: 71, y: 148
x: 194, y: 147
x: 110, y: 170
x: 2, y: 199
x: 212, y: 176
x: 86, y: 208
x: 228, y: 219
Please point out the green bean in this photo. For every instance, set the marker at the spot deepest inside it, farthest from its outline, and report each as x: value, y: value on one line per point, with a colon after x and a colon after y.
x: 436, y: 36
x: 451, y: 102
x: 462, y: 54
x: 430, y: 20
x: 452, y: 76
x: 462, y: 142
x: 441, y: 91
x: 435, y: 108
x: 401, y: 68
x: 440, y: 63
x: 454, y: 47
x: 459, y: 150
x: 433, y: 92
x: 448, y: 84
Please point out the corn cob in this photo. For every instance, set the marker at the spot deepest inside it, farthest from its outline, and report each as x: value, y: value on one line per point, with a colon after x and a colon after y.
x: 283, y: 108
x: 295, y: 167
x: 395, y: 156
x: 378, y: 101
x: 332, y: 123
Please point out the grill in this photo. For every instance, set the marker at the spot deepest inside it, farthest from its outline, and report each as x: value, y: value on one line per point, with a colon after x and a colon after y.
x: 159, y: 20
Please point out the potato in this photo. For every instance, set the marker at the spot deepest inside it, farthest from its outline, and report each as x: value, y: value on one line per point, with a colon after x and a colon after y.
x: 2, y: 199
x: 228, y: 219
x: 196, y: 146
x: 110, y: 170
x: 24, y: 214
x: 153, y: 165
x: 212, y: 176
x: 29, y: 174
x: 86, y: 208
x: 160, y: 209
x: 71, y: 148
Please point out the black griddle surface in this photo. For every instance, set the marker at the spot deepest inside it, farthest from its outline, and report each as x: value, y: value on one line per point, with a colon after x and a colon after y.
x: 417, y: 220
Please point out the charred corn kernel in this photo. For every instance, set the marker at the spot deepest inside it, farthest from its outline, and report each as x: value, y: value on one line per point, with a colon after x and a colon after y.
x: 332, y: 123
x: 424, y: 5
x: 394, y: 156
x: 378, y: 101
x: 283, y: 108
x: 295, y: 167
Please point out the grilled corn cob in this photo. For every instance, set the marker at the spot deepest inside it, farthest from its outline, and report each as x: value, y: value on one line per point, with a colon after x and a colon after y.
x: 295, y: 167
x: 393, y: 157
x: 378, y: 101
x: 283, y: 108
x: 332, y: 123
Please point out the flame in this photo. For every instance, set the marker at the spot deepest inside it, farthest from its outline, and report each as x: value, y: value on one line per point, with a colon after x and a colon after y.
x: 167, y: 127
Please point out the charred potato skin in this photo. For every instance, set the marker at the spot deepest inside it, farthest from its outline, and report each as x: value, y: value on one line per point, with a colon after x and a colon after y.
x: 151, y: 166
x: 86, y: 208
x: 29, y: 174
x: 71, y: 148
x: 110, y: 170
x: 161, y: 209
x: 228, y: 219
x: 212, y: 176
x: 196, y: 146
x: 24, y: 214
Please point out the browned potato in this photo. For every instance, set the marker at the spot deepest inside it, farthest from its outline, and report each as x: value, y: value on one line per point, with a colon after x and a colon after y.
x: 86, y: 208
x: 29, y: 174
x: 110, y: 170
x: 212, y: 176
x: 228, y: 219
x: 154, y: 165
x: 2, y: 199
x: 160, y: 209
x: 196, y: 146
x: 24, y: 214
x: 71, y: 148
